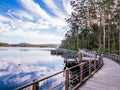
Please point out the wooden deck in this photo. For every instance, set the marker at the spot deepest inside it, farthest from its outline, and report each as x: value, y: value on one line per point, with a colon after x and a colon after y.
x: 107, y: 78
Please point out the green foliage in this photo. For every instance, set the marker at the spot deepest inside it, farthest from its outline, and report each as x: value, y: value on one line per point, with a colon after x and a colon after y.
x: 94, y: 24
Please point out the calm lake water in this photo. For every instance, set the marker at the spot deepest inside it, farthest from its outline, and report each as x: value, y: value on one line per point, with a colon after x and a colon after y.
x: 20, y: 65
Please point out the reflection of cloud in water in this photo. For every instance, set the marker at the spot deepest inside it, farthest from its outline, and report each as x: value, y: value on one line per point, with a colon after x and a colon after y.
x: 29, y: 60
x: 25, y: 65
x: 25, y: 49
x: 18, y: 68
x: 15, y: 70
x: 22, y: 79
x: 3, y: 65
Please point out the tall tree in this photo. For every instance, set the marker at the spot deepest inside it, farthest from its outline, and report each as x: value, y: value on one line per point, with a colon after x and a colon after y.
x: 94, y: 24
x: 118, y: 20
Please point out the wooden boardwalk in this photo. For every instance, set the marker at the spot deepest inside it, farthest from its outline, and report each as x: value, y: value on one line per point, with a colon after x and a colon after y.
x: 107, y: 78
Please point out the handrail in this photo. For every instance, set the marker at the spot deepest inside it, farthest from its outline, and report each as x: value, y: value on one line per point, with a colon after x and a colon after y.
x: 114, y: 57
x: 76, y: 65
x: 67, y: 71
x: 83, y: 74
x: 39, y: 80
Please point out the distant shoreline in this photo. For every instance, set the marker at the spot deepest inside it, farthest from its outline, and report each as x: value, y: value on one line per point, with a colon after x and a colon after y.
x: 29, y: 45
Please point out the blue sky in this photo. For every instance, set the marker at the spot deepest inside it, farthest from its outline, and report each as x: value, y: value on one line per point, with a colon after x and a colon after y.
x: 33, y: 21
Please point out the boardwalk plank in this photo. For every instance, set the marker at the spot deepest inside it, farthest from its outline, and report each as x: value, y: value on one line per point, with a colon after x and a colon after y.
x: 107, y: 78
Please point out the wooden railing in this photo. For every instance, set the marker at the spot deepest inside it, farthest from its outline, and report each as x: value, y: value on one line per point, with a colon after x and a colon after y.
x: 113, y: 57
x: 76, y: 75
x: 40, y: 84
x: 68, y: 79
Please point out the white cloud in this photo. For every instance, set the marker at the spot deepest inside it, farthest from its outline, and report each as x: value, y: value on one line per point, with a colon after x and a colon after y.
x: 29, y: 25
x: 22, y: 15
x: 67, y: 7
x: 35, y: 8
x: 43, y: 38
x: 54, y: 8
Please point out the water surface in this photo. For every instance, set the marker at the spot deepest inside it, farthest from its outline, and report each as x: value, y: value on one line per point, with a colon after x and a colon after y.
x: 20, y: 65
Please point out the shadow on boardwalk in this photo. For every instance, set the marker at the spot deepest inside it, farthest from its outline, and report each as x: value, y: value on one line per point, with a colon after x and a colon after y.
x: 107, y: 78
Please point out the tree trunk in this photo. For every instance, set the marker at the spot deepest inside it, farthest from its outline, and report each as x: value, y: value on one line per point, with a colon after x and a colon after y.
x: 100, y: 31
x: 119, y: 36
x: 108, y: 39
x: 77, y: 39
x: 104, y: 36
x: 108, y: 34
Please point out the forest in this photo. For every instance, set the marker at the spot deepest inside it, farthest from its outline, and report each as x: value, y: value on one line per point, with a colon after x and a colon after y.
x: 95, y: 25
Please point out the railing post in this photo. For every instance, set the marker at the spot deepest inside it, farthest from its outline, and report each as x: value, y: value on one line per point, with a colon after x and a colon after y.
x: 81, y: 73
x: 95, y: 65
x: 118, y: 57
x: 99, y: 63
x: 65, y: 58
x: 80, y: 57
x: 102, y: 58
x: 35, y: 85
x: 89, y: 67
x: 67, y: 80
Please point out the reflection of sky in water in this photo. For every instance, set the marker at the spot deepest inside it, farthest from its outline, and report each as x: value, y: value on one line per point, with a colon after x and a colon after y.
x: 19, y: 66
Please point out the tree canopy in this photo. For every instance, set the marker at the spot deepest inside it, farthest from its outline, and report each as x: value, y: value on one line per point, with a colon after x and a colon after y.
x: 94, y: 24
